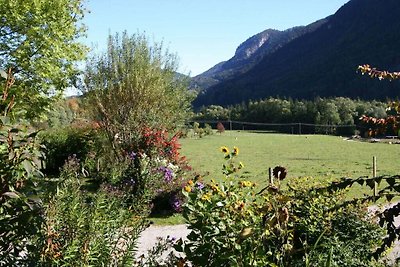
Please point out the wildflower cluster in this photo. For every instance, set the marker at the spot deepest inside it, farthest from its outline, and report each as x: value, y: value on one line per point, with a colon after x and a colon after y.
x: 155, y: 166
x: 224, y: 212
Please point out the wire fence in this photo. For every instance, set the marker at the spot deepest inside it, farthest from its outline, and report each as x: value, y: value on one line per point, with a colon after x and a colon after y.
x: 290, y: 128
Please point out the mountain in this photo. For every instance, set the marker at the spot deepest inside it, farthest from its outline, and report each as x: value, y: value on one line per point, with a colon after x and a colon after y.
x: 249, y: 53
x: 323, y: 62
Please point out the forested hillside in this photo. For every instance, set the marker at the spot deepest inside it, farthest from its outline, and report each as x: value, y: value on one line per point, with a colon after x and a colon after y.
x: 324, y: 62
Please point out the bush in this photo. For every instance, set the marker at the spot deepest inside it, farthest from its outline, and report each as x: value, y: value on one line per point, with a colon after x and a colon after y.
x: 62, y: 143
x: 220, y: 128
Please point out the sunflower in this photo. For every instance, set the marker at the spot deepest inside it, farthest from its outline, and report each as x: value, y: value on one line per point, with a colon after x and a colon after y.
x: 245, y: 184
x: 224, y: 149
x: 235, y: 151
x: 279, y: 172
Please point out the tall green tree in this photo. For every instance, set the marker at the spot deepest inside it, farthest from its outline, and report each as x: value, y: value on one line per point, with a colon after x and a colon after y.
x: 135, y: 85
x: 39, y: 40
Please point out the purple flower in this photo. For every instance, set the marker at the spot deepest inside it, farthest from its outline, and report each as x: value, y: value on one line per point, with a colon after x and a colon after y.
x: 199, y: 185
x: 176, y: 203
x: 132, y: 155
x: 168, y: 174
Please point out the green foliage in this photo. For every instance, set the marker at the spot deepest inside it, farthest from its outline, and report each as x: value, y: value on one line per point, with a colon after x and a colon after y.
x: 328, y: 227
x: 64, y: 142
x: 140, y: 102
x: 135, y: 86
x: 388, y: 191
x: 38, y: 39
x: 87, y: 229
x: 223, y: 218
x: 20, y: 205
x: 232, y: 225
x: 64, y: 112
x: 201, y: 131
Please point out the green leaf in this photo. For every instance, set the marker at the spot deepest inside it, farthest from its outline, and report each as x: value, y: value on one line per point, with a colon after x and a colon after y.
x: 33, y: 134
x: 3, y: 74
x: 27, y: 166
x: 360, y: 181
x: 5, y: 120
x: 391, y: 181
x: 371, y: 183
x: 389, y: 197
x: 11, y: 195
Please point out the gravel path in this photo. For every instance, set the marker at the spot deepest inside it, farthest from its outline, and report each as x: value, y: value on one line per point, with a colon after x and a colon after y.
x: 148, y: 238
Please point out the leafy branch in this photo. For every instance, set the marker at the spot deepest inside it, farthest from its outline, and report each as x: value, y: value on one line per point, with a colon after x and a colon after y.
x: 388, y: 215
x: 380, y: 74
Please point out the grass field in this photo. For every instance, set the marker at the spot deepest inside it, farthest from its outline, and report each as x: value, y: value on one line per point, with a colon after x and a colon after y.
x: 317, y: 156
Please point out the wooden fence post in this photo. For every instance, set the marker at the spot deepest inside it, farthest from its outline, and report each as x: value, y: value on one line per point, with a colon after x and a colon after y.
x: 374, y: 175
x: 271, y: 177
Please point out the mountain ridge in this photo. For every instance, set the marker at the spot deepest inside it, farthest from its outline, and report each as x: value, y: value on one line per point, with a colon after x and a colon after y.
x: 323, y: 62
x: 249, y: 53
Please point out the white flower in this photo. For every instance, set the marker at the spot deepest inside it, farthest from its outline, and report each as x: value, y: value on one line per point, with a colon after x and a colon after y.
x: 173, y: 167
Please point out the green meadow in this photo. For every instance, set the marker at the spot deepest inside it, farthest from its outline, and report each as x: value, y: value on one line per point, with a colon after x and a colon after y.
x: 319, y: 157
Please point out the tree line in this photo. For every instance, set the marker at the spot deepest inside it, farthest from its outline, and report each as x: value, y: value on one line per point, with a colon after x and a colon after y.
x: 322, y: 111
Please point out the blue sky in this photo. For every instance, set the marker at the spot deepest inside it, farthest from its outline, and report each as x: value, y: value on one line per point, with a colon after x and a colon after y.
x: 202, y: 33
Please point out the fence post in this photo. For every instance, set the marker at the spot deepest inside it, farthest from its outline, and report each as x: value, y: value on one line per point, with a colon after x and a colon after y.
x: 299, y: 128
x: 374, y: 175
x: 271, y: 177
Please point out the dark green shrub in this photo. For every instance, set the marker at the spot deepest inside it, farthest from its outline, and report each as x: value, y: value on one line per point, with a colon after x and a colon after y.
x: 62, y: 143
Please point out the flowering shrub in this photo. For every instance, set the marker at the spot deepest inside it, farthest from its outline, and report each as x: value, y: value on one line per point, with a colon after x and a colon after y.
x: 281, y: 225
x: 151, y: 172
x: 224, y: 217
x: 158, y: 142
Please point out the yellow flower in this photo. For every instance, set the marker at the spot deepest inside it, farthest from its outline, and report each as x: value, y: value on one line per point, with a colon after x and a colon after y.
x: 240, y: 205
x: 187, y: 189
x: 245, y: 183
x: 190, y: 182
x: 206, y: 197
x: 235, y: 151
x: 224, y: 149
x: 215, y: 188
